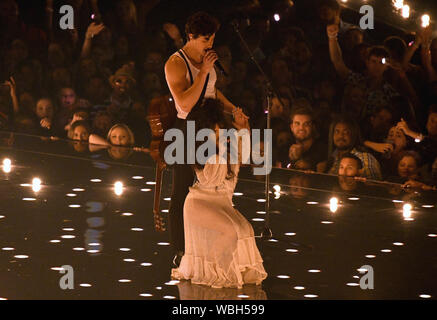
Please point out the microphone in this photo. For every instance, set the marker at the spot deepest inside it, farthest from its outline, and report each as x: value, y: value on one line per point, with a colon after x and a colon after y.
x: 219, y: 66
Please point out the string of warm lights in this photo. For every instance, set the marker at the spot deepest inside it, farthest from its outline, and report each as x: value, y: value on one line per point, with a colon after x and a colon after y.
x: 403, y: 8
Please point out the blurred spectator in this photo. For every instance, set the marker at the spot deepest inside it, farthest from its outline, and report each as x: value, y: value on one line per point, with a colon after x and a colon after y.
x: 346, y: 139
x: 306, y: 150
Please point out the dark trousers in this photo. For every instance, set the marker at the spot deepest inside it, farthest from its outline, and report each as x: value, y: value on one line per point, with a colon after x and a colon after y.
x: 183, y: 178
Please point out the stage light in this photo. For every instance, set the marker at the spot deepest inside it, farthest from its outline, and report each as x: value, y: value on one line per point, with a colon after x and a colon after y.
x: 277, y: 17
x: 118, y: 188
x: 7, y: 165
x: 333, y: 204
x: 425, y: 20
x: 277, y: 192
x: 406, y: 11
x: 398, y: 4
x: 406, y: 209
x: 36, y: 184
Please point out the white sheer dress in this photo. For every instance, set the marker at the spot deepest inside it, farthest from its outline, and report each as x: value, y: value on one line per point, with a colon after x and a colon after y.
x: 220, y: 248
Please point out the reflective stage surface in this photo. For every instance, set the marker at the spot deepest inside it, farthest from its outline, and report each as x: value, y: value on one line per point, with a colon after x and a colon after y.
x: 324, y: 230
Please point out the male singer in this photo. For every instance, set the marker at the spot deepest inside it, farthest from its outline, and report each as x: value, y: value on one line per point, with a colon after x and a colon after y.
x: 191, y: 77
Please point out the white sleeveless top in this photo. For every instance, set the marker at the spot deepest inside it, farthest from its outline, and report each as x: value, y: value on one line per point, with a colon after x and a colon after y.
x: 210, y: 89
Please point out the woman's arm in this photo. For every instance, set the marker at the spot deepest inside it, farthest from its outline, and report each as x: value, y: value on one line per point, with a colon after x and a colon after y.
x: 379, y: 147
x: 402, y: 125
x: 97, y: 143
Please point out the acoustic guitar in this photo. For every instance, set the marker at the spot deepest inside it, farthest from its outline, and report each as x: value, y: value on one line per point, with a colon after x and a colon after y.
x: 161, y: 116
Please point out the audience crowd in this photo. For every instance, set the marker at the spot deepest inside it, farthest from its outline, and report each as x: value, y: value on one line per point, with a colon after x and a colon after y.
x: 347, y: 103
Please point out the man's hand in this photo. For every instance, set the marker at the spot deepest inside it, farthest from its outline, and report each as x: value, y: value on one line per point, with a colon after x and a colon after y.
x: 295, y: 152
x: 332, y: 31
x: 208, y: 61
x: 382, y: 147
x: 403, y: 126
x: 46, y: 123
x: 417, y: 185
x: 12, y: 86
x: 94, y: 29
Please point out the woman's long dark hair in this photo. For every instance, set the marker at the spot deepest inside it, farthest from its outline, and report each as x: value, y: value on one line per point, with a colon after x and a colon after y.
x: 207, y: 116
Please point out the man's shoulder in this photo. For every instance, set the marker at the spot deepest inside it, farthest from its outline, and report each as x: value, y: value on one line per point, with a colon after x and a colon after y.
x: 363, y: 154
x: 174, y: 64
x: 175, y: 59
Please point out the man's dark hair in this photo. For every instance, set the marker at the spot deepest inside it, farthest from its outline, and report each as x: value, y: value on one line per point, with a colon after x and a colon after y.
x: 378, y: 51
x: 301, y: 111
x: 349, y: 155
x: 396, y: 46
x: 201, y: 24
x: 353, y: 126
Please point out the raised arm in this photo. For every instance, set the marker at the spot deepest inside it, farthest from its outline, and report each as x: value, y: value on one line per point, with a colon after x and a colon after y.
x: 427, y: 63
x: 13, y: 93
x: 335, y: 51
x: 411, y: 50
x: 93, y: 30
x: 186, y: 96
x: 402, y: 125
x: 426, y: 57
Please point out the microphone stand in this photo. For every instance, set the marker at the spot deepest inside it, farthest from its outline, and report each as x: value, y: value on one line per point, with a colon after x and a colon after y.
x: 271, y: 92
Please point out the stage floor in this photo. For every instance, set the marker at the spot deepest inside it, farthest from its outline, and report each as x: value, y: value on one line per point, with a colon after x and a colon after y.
x: 109, y: 240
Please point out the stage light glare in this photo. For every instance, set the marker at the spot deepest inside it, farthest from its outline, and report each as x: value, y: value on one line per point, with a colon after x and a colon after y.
x: 277, y: 17
x: 36, y: 184
x: 7, y: 165
x: 407, y: 210
x: 333, y: 204
x: 425, y: 20
x: 118, y: 188
x: 398, y: 4
x: 406, y: 11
